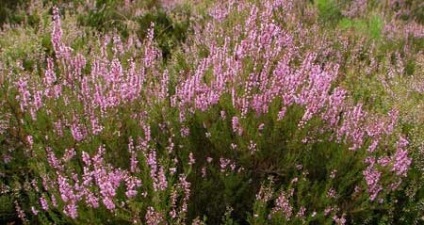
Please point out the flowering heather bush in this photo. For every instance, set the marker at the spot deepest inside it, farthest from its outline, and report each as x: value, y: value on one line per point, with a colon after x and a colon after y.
x: 254, y: 119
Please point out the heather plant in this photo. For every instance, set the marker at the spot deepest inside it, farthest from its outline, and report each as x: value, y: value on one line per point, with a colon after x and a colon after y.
x: 255, y: 119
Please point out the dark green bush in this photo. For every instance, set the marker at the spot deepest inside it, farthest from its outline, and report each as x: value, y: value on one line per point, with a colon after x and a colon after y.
x: 10, y: 11
x: 168, y: 33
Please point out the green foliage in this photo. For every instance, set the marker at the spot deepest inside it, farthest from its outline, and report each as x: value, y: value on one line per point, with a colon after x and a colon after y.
x: 328, y: 11
x: 371, y: 27
x: 105, y: 17
x: 169, y: 33
x: 10, y: 13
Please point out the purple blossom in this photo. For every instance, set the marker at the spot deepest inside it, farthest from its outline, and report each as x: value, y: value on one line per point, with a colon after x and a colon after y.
x: 339, y: 220
x: 236, y: 126
x: 282, y: 205
x: 372, y: 178
x: 401, y: 161
x: 191, y: 159
x: 152, y: 217
x: 43, y: 203
x: 161, y: 183
x: 77, y: 132
x: 71, y: 210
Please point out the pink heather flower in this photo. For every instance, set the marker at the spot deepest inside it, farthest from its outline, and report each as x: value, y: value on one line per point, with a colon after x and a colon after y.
x: 301, y: 213
x: 30, y: 141
x: 261, y: 127
x: 185, y: 131
x: 164, y: 85
x: 91, y: 199
x: 335, y: 106
x: 71, y: 210
x: 24, y: 94
x: 69, y: 154
x: 66, y: 191
x: 116, y: 72
x: 236, y: 126
x: 395, y: 184
x: 233, y: 146
x: 197, y: 221
x: 252, y: 147
x: 282, y: 205
x: 118, y: 47
x: 43, y: 203
x: 34, y: 184
x: 152, y: 217
x: 147, y: 133
x: 53, y: 161
x: 402, y: 142
x: 151, y: 161
x: 384, y: 161
x: 96, y: 128
x: 331, y: 193
x: 352, y: 127
x: 57, y: 91
x: 77, y: 132
x: 182, y: 116
x: 372, y: 177
x: 203, y: 172
x: 86, y: 158
x: 150, y: 53
x: 172, y: 170
x: 281, y: 114
x: 133, y: 160
x: 191, y: 159
x: 223, y: 115
x: 57, y: 30
x: 132, y: 184
x: 339, y: 221
x: 224, y: 163
x: 357, y: 189
x: 49, y: 75
x: 173, y: 214
x: 162, y: 183
x: 373, y: 146
x: 299, y: 166
x: 54, y: 201
x: 393, y: 115
x: 220, y: 11
x: 233, y: 166
x: 185, y: 186
x: 328, y: 210
x: 401, y: 159
x: 38, y: 101
x: 34, y: 211
x: 209, y: 159
x: 108, y: 203
x: 264, y: 194
x: 58, y: 128
x: 21, y: 213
